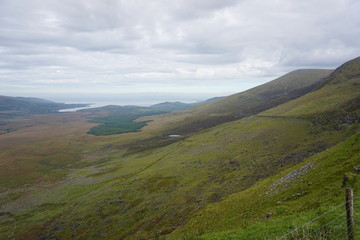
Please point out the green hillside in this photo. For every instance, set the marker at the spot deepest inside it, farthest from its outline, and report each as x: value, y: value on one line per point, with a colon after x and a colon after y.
x: 276, y: 167
x: 314, y: 188
x: 335, y: 108
x: 247, y: 103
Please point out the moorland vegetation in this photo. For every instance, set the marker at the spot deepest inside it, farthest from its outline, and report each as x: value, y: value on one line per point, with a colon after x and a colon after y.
x: 254, y: 165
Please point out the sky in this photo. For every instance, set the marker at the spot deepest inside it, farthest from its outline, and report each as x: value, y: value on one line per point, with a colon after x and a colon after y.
x: 191, y: 49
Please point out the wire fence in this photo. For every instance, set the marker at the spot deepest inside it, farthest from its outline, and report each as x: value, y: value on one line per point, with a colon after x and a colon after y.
x: 329, y: 225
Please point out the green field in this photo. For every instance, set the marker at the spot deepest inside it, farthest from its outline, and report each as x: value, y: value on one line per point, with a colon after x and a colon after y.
x: 116, y: 124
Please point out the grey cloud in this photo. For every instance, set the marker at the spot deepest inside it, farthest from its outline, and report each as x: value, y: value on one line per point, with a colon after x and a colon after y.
x: 120, y: 42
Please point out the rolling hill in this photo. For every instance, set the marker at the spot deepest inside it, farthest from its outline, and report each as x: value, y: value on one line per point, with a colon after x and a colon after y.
x: 275, y: 159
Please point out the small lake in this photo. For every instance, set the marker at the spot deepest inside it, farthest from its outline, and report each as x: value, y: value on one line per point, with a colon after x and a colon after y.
x: 174, y: 135
x: 76, y: 109
x: 90, y: 105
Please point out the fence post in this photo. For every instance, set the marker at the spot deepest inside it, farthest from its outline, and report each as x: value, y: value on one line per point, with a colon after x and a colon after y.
x: 350, y: 213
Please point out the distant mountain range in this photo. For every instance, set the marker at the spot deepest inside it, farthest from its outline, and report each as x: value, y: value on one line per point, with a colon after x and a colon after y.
x: 18, y: 106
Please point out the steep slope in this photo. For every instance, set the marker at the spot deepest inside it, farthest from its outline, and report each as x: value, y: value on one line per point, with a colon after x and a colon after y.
x: 340, y: 93
x: 293, y: 197
x: 247, y: 103
x: 206, y: 183
x: 314, y: 184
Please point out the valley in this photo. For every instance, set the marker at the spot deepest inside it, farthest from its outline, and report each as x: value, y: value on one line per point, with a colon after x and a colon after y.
x: 281, y: 148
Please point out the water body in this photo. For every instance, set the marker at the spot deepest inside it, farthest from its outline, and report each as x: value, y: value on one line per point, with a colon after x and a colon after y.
x: 90, y: 105
x: 143, y: 100
x: 76, y: 109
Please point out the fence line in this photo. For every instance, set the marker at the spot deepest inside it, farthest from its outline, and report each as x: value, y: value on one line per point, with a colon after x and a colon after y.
x: 327, y: 224
x: 311, y: 221
x: 342, y: 227
x: 342, y: 232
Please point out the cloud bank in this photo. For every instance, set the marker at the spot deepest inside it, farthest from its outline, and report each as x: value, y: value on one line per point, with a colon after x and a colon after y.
x: 208, y: 46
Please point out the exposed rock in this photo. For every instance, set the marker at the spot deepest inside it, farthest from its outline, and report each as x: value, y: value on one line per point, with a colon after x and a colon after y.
x: 287, y: 180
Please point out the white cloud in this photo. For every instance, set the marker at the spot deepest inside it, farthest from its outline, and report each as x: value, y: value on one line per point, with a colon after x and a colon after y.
x: 163, y: 44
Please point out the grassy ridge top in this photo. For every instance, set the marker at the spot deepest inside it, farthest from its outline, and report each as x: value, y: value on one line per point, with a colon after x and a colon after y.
x: 280, y: 90
x: 342, y: 89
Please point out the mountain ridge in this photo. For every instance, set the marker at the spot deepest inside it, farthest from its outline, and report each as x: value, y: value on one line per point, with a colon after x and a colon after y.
x: 247, y: 103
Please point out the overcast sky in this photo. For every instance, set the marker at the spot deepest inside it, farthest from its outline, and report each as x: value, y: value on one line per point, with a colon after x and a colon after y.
x: 204, y: 47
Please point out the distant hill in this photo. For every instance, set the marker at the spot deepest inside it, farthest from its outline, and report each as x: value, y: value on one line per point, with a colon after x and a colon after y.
x: 34, y: 99
x: 20, y: 106
x: 175, y: 106
x: 172, y: 106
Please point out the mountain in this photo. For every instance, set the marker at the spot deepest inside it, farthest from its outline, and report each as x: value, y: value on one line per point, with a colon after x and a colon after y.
x: 304, y: 190
x: 247, y: 103
x: 20, y: 106
x: 257, y: 176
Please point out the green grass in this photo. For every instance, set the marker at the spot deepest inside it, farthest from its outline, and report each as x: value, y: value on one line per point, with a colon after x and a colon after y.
x: 245, y: 211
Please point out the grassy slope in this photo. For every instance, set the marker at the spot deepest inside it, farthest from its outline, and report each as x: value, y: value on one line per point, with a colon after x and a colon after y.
x: 245, y: 212
x: 289, y: 86
x: 327, y: 172
x: 42, y: 147
x: 255, y: 100
x: 154, y: 192
x: 142, y: 195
